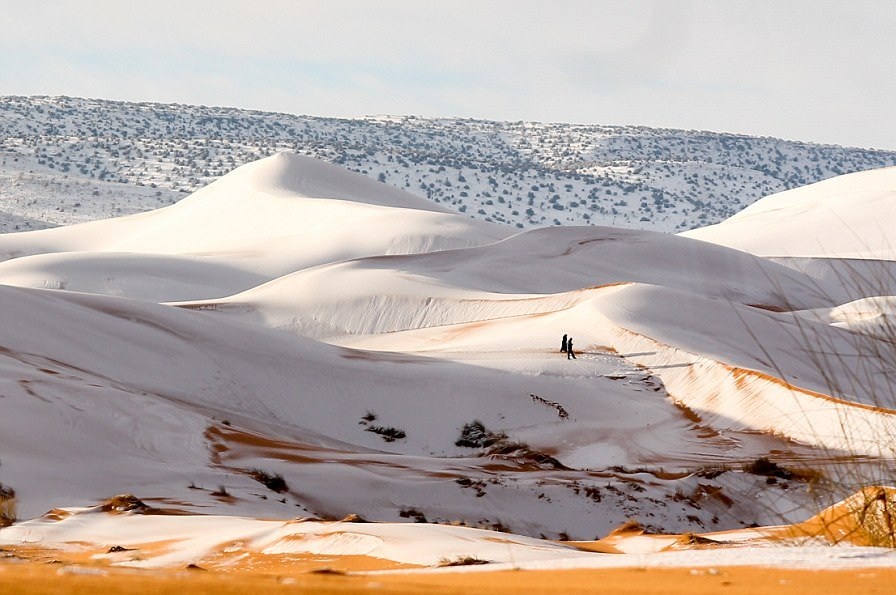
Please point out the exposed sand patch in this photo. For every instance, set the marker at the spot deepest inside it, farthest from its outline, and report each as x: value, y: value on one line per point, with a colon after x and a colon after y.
x: 41, y: 579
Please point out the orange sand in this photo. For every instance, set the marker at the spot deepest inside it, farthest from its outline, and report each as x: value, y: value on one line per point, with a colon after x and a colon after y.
x: 40, y: 578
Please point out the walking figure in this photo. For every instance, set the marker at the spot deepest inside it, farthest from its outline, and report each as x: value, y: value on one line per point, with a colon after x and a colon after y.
x: 570, y: 354
x: 563, y: 345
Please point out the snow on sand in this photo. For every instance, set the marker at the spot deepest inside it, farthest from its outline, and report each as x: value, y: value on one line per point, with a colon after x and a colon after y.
x: 299, y: 320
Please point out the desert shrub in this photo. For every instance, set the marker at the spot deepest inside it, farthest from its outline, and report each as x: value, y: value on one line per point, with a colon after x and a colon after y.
x: 562, y: 413
x: 221, y: 492
x: 412, y: 513
x: 476, y: 484
x: 857, y: 363
x: 764, y: 466
x: 125, y: 503
x: 118, y: 548
x: 768, y: 468
x: 461, y: 561
x: 866, y: 518
x: 713, y: 471
x: 275, y: 482
x: 875, y: 510
x: 522, y: 454
x: 7, y: 505
x: 476, y: 435
x: 498, y: 446
x: 388, y: 434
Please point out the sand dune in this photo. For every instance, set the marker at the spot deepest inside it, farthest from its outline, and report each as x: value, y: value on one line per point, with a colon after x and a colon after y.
x: 848, y: 216
x: 263, y: 218
x: 384, y: 358
x: 147, y: 538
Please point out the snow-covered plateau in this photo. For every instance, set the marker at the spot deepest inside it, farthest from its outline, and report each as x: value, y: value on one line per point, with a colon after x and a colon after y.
x: 298, y: 340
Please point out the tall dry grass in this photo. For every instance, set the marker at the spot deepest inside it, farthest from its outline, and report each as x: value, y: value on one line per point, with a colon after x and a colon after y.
x: 857, y: 363
x: 7, y: 505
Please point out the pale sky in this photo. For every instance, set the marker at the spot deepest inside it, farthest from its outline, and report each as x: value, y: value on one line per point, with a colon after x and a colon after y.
x: 812, y: 70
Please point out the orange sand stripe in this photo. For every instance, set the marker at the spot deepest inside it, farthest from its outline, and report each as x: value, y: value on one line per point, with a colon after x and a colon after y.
x: 740, y: 374
x: 44, y: 579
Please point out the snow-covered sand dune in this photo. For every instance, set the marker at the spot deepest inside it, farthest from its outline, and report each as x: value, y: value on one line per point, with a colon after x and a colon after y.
x: 153, y: 277
x: 124, y: 532
x: 534, y: 272
x: 388, y: 359
x: 849, y: 216
x: 264, y: 219
x: 126, y: 393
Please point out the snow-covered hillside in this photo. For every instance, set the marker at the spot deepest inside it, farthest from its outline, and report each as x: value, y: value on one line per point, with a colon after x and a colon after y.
x: 295, y: 338
x: 66, y: 160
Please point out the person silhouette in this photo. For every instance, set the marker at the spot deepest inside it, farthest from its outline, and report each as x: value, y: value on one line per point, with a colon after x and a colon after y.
x: 570, y: 354
x: 563, y: 345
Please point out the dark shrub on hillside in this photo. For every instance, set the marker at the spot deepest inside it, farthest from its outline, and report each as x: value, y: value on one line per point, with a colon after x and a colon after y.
x: 475, y: 435
x: 275, y: 483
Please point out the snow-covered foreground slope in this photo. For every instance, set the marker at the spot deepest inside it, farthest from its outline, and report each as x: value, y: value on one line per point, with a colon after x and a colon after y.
x: 131, y: 396
x: 147, y: 538
x: 296, y: 339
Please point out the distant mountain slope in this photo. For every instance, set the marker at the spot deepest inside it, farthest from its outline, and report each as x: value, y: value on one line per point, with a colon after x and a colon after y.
x: 66, y: 160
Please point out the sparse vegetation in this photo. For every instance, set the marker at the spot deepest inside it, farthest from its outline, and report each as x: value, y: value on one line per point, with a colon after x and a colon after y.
x: 498, y: 446
x: 768, y: 468
x: 412, y: 513
x: 118, y: 548
x: 125, y: 503
x: 856, y: 366
x: 475, y: 484
x: 561, y: 411
x: 389, y: 434
x: 273, y: 482
x: 221, y: 492
x: 475, y: 435
x: 7, y: 505
x: 875, y: 512
x: 512, y: 172
x: 462, y: 561
x: 524, y: 456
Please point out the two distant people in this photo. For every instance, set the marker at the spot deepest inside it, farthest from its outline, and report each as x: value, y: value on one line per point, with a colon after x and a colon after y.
x: 566, y: 347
